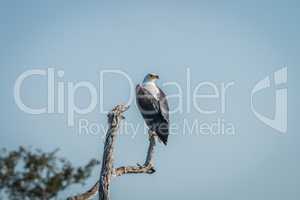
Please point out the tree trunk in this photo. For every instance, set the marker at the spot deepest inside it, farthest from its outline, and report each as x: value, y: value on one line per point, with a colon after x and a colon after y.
x: 107, y: 170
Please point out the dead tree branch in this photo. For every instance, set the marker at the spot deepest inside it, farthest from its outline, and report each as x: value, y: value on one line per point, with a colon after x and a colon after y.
x: 148, y: 166
x: 88, y: 194
x: 114, y: 119
x: 107, y: 170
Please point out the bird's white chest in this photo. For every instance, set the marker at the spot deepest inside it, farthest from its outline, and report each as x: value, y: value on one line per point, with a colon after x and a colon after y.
x: 152, y: 88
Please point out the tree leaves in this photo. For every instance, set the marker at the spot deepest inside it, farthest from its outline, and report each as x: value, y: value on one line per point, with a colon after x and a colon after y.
x: 34, y: 174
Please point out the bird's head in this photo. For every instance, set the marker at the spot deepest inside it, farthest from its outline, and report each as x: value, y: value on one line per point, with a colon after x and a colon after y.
x: 151, y: 77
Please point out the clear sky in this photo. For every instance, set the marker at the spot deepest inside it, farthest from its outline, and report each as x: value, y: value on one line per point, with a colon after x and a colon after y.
x: 217, y: 41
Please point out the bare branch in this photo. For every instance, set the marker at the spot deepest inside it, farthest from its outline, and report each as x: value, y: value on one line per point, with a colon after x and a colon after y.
x: 114, y: 119
x: 88, y: 194
x: 148, y: 166
x: 107, y: 170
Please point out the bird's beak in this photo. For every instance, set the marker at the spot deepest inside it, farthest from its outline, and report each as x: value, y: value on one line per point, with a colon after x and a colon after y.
x: 156, y: 76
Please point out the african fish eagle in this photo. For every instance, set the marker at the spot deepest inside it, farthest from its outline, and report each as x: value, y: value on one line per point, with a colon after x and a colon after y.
x: 153, y: 105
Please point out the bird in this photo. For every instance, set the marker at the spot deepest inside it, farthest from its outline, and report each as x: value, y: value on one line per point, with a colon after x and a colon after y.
x: 153, y: 105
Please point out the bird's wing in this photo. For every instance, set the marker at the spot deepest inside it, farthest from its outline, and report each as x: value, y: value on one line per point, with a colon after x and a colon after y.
x: 163, y: 105
x: 155, y: 112
x: 146, y: 101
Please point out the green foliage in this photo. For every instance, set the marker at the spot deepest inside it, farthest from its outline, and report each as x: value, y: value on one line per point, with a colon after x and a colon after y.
x: 34, y: 174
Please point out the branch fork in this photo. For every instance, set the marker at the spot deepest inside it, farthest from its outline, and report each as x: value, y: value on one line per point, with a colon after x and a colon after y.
x: 107, y: 171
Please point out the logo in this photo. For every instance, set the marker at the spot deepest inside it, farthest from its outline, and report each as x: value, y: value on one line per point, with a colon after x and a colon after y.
x: 279, y: 121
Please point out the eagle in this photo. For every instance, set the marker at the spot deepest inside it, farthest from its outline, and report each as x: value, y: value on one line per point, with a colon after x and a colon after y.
x: 153, y: 105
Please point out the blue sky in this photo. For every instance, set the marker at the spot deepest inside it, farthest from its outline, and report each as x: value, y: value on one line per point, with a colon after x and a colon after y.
x: 219, y: 41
